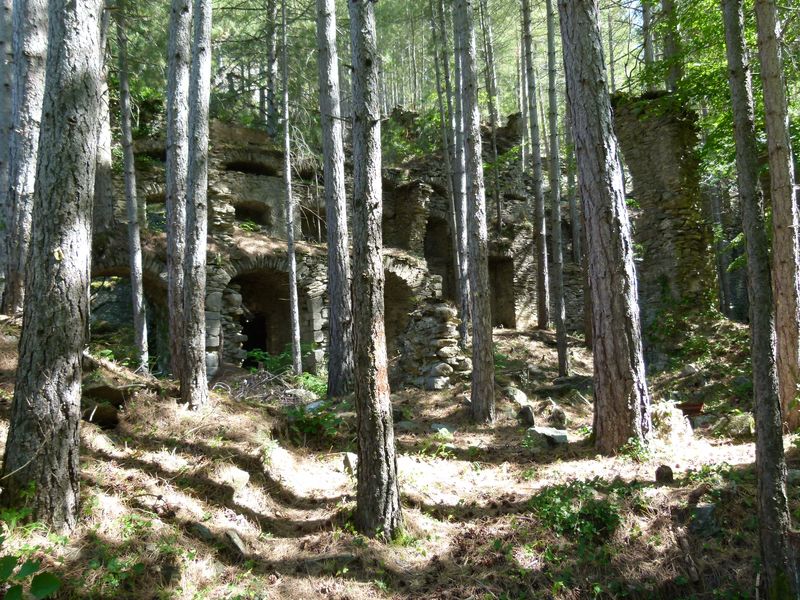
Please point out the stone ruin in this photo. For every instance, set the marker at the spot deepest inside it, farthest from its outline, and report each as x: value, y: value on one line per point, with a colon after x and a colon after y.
x: 247, y: 304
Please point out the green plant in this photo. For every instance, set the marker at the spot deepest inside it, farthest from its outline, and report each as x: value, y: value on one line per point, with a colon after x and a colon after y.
x: 18, y: 576
x: 636, y: 450
x: 321, y: 421
x: 249, y: 225
x: 313, y: 383
x: 579, y: 509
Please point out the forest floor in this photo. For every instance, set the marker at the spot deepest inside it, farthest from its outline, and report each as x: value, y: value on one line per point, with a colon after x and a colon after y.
x: 251, y: 497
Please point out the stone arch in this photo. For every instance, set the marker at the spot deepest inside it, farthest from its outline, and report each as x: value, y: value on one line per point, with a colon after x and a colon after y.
x: 255, y: 162
x: 251, y: 300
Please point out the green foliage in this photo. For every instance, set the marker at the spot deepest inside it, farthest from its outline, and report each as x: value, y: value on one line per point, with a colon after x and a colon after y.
x: 18, y: 574
x: 321, y: 422
x: 313, y: 383
x: 249, y: 225
x: 584, y: 510
x: 636, y: 450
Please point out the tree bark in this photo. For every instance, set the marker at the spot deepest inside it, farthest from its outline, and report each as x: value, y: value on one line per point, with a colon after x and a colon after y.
x: 572, y: 194
x: 460, y: 192
x: 785, y: 225
x: 134, y: 237
x: 622, y: 401
x: 30, y: 54
x: 378, y: 511
x: 555, y: 198
x: 672, y: 45
x: 539, y: 221
x: 6, y: 79
x: 340, y: 346
x: 43, y: 440
x: 273, y: 115
x: 177, y: 170
x: 482, y: 404
x: 194, y: 386
x: 288, y: 204
x: 491, y: 89
x: 445, y: 131
x: 103, y: 209
x: 778, y: 560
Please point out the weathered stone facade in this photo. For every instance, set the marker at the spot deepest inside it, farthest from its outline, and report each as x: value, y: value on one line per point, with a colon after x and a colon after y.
x: 658, y: 137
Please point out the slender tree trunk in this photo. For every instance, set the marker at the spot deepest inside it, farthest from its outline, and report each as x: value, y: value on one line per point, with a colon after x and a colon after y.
x: 622, y: 401
x: 647, y: 33
x: 378, y: 511
x: 460, y: 190
x: 445, y: 128
x: 43, y: 439
x: 539, y: 221
x: 574, y: 212
x: 491, y: 88
x: 340, y: 346
x: 134, y: 238
x: 30, y: 54
x: 785, y: 225
x: 523, y: 109
x: 459, y: 259
x: 721, y: 255
x: 194, y: 386
x: 555, y: 198
x: 273, y: 114
x: 778, y: 560
x: 672, y: 44
x: 611, y: 59
x: 6, y: 87
x: 103, y: 209
x: 482, y: 348
x: 288, y: 204
x: 177, y: 170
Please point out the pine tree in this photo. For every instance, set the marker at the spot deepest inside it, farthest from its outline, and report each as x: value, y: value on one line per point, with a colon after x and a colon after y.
x: 43, y: 439
x: 622, y: 401
x: 378, y: 511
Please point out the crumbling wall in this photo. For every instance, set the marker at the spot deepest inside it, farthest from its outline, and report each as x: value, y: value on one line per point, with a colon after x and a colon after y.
x: 658, y: 136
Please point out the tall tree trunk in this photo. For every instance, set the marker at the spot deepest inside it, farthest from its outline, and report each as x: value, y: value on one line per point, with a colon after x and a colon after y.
x: 785, y: 252
x: 177, y: 170
x: 445, y: 130
x: 273, y: 115
x: 555, y: 198
x: 378, y: 510
x: 539, y: 221
x: 622, y: 401
x: 611, y: 59
x: 778, y: 560
x: 103, y: 208
x: 672, y: 44
x: 340, y: 316
x: 491, y: 89
x: 134, y: 237
x: 43, y: 439
x: 30, y: 54
x: 194, y: 386
x: 523, y: 109
x: 6, y: 87
x: 647, y: 33
x: 721, y: 254
x: 482, y: 397
x: 288, y: 203
x: 459, y: 256
x: 460, y: 192
x: 572, y: 194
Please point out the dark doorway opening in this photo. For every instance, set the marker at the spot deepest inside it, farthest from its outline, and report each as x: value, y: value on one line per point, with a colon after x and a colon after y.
x: 439, y: 254
x: 398, y: 304
x: 266, y: 318
x: 501, y: 283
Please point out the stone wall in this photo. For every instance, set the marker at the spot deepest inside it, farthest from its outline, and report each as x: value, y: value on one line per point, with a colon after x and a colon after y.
x: 658, y: 137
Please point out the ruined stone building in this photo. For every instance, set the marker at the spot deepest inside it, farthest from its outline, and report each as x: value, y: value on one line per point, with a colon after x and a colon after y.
x: 247, y: 304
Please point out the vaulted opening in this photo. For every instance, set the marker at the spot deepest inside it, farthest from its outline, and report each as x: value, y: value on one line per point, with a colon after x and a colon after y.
x: 439, y: 254
x: 501, y: 284
x: 398, y: 304
x: 252, y: 167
